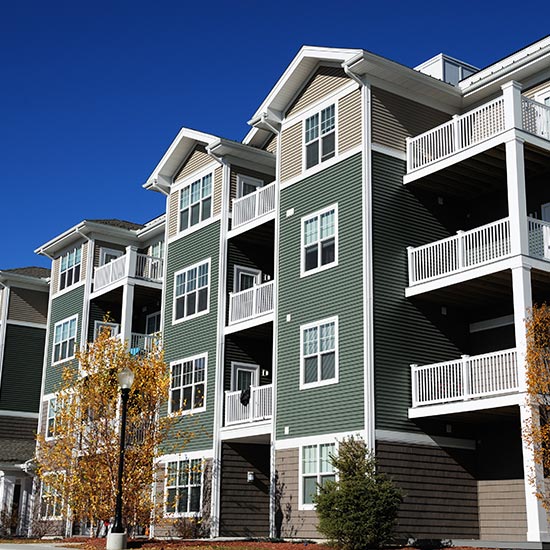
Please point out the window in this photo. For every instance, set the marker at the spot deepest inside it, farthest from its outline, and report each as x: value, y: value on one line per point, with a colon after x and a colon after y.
x: 319, y: 360
x: 196, y: 202
x: 187, y: 385
x: 51, y: 418
x: 50, y: 497
x: 69, y: 272
x: 108, y: 255
x: 319, y: 236
x: 247, y: 185
x: 157, y: 249
x: 320, y: 136
x: 64, y: 339
x: 316, y: 470
x: 112, y: 328
x: 183, y: 487
x: 191, y: 291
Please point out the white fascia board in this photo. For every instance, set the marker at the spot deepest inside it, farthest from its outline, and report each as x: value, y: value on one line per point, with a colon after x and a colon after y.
x: 162, y: 175
x: 234, y: 151
x: 60, y: 241
x: 153, y: 228
x: 24, y: 281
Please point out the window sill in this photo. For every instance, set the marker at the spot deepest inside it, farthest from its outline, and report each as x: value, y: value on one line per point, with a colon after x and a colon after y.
x: 310, y: 385
x: 318, y: 269
x: 189, y: 317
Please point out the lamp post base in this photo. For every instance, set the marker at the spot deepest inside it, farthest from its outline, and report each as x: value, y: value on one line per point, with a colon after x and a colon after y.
x: 116, y: 541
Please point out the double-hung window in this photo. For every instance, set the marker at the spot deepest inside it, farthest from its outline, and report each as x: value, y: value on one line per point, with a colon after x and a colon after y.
x: 64, y: 339
x: 196, y: 202
x: 69, y: 270
x: 183, y: 487
x: 319, y: 240
x: 319, y: 357
x: 51, y: 503
x: 187, y: 385
x: 320, y: 136
x: 191, y: 286
x: 51, y: 418
x: 316, y: 469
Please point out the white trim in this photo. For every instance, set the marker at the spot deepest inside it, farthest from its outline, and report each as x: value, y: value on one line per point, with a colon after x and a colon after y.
x: 21, y: 414
x: 242, y: 179
x: 295, y: 442
x: 389, y: 151
x: 68, y: 289
x: 255, y: 321
x: 209, y: 287
x: 252, y: 429
x: 177, y: 185
x: 192, y: 410
x: 149, y: 316
x: 301, y: 504
x: 103, y: 251
x: 250, y: 367
x: 303, y: 220
x: 26, y: 324
x: 329, y: 381
x: 489, y: 324
x: 177, y: 485
x: 319, y: 138
x: 62, y: 321
x: 179, y: 235
x: 184, y: 455
x: 238, y: 269
x: 407, y: 438
x: 47, y: 408
x: 67, y: 252
x: 188, y: 185
x: 99, y: 324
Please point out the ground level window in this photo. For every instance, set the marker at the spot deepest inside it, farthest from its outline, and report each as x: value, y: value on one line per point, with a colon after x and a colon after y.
x: 316, y: 469
x: 50, y: 497
x: 183, y: 486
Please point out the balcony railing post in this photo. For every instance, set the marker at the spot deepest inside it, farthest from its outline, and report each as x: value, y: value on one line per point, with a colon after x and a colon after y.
x: 131, y: 260
x: 411, y: 266
x: 414, y: 384
x: 460, y: 256
x: 456, y: 146
x: 408, y: 141
x: 511, y: 92
x: 466, y: 376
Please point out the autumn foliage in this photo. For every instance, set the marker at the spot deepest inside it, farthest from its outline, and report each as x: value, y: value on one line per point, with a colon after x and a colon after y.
x: 78, y: 452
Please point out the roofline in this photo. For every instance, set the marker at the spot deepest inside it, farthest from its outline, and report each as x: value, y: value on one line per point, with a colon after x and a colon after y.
x: 10, y: 277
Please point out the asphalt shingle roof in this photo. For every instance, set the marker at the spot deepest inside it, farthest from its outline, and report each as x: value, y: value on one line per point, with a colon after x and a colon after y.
x: 33, y: 271
x: 119, y: 223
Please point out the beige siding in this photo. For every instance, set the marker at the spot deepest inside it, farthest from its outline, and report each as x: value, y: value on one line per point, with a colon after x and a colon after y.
x: 271, y: 145
x: 173, y: 208
x: 349, y: 121
x: 322, y: 83
x: 536, y: 89
x: 55, y: 276
x: 502, y: 514
x: 218, y: 191
x: 394, y: 118
x: 195, y: 161
x: 84, y: 261
x: 104, y: 244
x: 26, y: 305
x: 295, y: 523
x: 291, y: 151
x: 238, y: 171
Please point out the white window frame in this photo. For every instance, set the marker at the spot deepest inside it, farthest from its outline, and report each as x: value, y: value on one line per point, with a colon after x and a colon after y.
x: 157, y: 249
x: 58, y: 507
x: 115, y: 328
x: 251, y: 367
x: 187, y: 188
x: 75, y: 253
x: 150, y: 316
x: 318, y: 214
x: 241, y: 180
x: 179, y: 459
x: 104, y: 251
x: 60, y: 323
x: 319, y: 475
x: 175, y: 297
x: 305, y: 142
x: 193, y: 384
x: 51, y: 415
x: 328, y: 381
x: 238, y: 269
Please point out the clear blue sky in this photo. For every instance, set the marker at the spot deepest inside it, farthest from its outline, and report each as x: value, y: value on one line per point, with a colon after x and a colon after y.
x: 92, y: 93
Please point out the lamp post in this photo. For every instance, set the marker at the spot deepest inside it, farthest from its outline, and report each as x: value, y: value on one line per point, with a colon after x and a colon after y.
x: 116, y: 540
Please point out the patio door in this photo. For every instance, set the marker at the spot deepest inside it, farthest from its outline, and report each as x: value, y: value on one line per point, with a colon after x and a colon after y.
x: 244, y: 375
x: 245, y: 278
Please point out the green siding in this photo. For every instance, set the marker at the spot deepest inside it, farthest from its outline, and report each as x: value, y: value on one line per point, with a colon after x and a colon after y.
x: 335, y: 291
x: 405, y: 331
x: 22, y: 369
x: 63, y: 306
x: 194, y: 336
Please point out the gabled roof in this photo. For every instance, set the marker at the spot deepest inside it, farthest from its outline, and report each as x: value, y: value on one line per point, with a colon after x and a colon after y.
x: 33, y: 271
x: 119, y: 223
x: 36, y: 278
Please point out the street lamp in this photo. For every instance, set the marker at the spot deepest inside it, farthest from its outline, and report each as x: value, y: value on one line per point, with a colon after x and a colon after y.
x: 116, y: 539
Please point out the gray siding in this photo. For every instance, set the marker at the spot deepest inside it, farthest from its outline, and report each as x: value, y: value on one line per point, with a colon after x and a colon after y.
x: 27, y: 305
x: 334, y: 292
x: 22, y: 369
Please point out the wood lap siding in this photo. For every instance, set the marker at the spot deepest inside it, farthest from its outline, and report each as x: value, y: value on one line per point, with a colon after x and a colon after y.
x: 322, y: 83
x: 217, y: 191
x: 84, y: 262
x: 198, y: 159
x: 55, y: 276
x: 173, y: 213
x: 394, y: 118
x: 440, y: 492
x: 536, y: 89
x: 28, y: 305
x: 271, y: 145
x: 291, y: 151
x: 349, y: 121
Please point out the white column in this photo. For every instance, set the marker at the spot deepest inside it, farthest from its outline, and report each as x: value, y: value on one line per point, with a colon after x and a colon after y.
x: 126, y: 315
x: 523, y: 301
x: 517, y: 198
x: 511, y: 92
x: 131, y: 259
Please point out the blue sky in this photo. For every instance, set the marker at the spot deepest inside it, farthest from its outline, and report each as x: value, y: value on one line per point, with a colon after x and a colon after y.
x: 92, y: 93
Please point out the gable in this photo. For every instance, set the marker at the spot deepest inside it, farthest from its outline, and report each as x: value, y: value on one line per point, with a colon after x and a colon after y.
x: 198, y: 159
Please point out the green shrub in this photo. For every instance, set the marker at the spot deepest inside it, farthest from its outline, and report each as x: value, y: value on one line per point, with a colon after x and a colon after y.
x: 359, y: 510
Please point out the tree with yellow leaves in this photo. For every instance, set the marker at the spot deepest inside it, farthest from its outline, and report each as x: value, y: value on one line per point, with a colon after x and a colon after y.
x: 77, y: 457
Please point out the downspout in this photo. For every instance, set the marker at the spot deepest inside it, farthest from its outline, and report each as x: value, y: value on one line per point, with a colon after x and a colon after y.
x: 87, y: 289
x: 3, y: 324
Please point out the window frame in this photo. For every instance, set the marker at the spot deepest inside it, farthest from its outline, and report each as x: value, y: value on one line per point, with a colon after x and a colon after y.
x: 204, y: 381
x: 62, y: 283
x: 317, y: 214
x: 319, y: 383
x: 51, y: 416
x: 199, y: 178
x: 57, y: 498
x: 175, y: 297
x: 318, y: 474
x: 250, y: 180
x: 319, y: 139
x: 99, y: 324
x: 54, y: 343
x: 167, y: 486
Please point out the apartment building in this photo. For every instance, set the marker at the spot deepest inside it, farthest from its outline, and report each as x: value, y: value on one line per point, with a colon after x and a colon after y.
x: 23, y: 317
x: 361, y: 264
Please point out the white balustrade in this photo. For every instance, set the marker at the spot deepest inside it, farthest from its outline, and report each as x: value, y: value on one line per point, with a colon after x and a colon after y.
x: 253, y: 205
x: 535, y: 117
x: 149, y: 267
x: 142, y: 341
x: 250, y: 303
x: 146, y: 267
x: 109, y: 273
x: 260, y: 405
x: 470, y: 377
x: 464, y: 250
x: 539, y: 238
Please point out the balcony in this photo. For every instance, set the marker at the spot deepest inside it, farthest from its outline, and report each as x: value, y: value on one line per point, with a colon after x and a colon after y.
x: 253, y: 206
x: 130, y: 264
x: 260, y: 406
x: 252, y: 303
x: 474, y: 248
x: 474, y: 127
x: 142, y: 342
x: 468, y: 378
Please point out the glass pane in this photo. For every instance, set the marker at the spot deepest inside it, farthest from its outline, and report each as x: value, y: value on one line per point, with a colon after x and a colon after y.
x: 187, y: 398
x: 199, y: 370
x: 180, y: 308
x: 309, y: 459
x: 180, y: 284
x: 310, y: 341
x: 326, y: 337
x: 175, y: 400
x: 191, y: 279
x: 203, y: 299
x: 171, y: 500
x: 311, y: 257
x: 206, y: 208
x: 328, y: 366
x: 312, y: 128
x: 244, y: 379
x: 194, y: 501
x: 183, y: 473
x: 199, y: 396
x: 187, y: 373
x: 195, y: 473
x: 327, y: 252
x: 310, y: 231
x: 184, y: 219
x: 325, y: 452
x: 326, y: 478
x: 310, y: 489
x: 203, y: 275
x: 327, y: 119
x: 312, y: 154
x: 246, y: 280
x: 327, y: 224
x: 310, y: 370
x: 328, y: 146
x: 195, y: 214
x: 191, y: 303
x: 207, y: 185
x: 184, y: 198
x: 172, y: 473
x: 195, y: 191
x: 182, y: 501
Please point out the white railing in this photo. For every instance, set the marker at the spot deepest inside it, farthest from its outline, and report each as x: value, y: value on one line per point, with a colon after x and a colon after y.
x: 535, y: 117
x: 539, y: 238
x: 253, y: 205
x: 260, y: 405
x: 458, y: 134
x: 466, y: 378
x: 148, y: 267
x: 461, y: 251
x: 250, y: 303
x: 142, y: 341
x: 109, y: 273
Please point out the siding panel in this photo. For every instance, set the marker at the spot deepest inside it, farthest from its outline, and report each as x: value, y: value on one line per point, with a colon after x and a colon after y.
x: 197, y: 160
x: 239, y: 171
x: 349, y: 121
x: 291, y: 151
x: 28, y: 305
x: 217, y: 191
x: 54, y: 286
x: 173, y: 213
